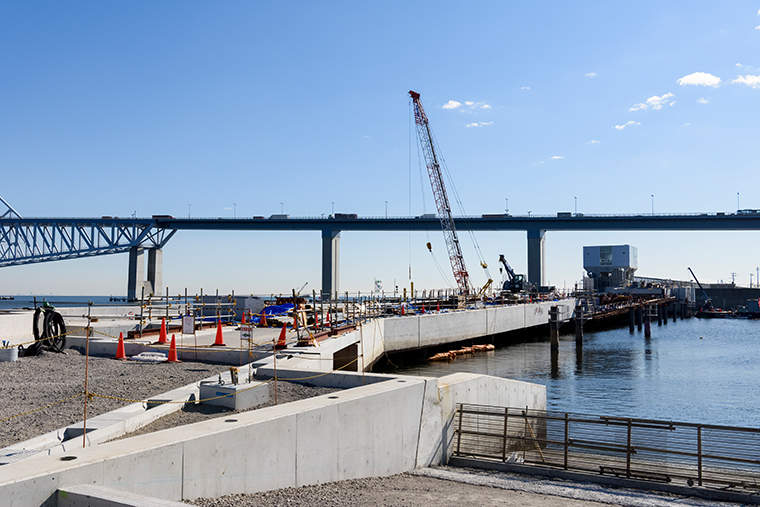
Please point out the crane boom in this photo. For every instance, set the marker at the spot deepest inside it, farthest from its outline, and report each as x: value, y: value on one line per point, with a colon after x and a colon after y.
x: 439, y: 193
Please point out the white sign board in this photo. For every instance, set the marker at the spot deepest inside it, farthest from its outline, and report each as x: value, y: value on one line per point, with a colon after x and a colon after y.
x: 188, y: 324
x: 246, y: 332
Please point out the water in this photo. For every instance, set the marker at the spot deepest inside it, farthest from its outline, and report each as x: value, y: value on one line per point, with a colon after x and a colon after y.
x: 695, y: 370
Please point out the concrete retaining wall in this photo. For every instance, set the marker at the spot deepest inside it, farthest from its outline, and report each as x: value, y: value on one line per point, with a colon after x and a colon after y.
x: 379, y: 429
x: 16, y: 326
x: 417, y: 331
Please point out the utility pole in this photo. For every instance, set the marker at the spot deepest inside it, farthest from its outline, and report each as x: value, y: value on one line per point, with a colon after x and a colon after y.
x: 733, y: 278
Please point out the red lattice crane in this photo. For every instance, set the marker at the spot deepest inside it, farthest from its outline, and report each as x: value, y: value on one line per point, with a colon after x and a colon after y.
x: 441, y: 199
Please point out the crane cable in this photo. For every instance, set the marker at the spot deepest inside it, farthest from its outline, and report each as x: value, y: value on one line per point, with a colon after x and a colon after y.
x: 454, y: 192
x: 423, y: 174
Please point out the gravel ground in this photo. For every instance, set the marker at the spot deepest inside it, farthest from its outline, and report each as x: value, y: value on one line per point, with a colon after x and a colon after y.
x: 286, y: 392
x: 33, y: 382
x: 453, y: 487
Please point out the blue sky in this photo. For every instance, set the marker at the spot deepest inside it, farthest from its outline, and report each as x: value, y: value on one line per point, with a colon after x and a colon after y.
x: 114, y: 108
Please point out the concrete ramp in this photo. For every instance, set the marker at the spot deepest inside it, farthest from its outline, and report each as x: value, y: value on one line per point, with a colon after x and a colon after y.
x: 89, y: 495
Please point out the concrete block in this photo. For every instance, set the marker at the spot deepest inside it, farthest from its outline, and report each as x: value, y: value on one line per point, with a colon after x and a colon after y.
x: 235, y: 397
x: 88, y: 495
x: 9, y: 354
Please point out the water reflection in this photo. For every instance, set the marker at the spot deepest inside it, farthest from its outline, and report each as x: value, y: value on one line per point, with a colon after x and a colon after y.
x: 690, y: 370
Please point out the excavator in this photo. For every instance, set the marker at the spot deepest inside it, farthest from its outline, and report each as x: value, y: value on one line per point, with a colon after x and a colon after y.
x: 514, y: 282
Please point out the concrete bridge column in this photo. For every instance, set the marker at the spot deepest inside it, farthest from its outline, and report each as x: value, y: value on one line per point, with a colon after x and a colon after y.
x: 330, y: 263
x: 154, y: 284
x: 136, y: 278
x: 136, y: 273
x: 536, y: 270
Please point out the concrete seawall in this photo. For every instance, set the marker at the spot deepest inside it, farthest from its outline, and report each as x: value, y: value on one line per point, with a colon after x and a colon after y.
x: 375, y: 337
x: 392, y: 425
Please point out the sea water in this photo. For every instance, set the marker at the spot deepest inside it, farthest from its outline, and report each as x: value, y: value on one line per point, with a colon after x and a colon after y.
x: 694, y: 370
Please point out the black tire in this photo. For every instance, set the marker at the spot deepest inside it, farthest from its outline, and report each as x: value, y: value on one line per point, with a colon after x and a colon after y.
x: 55, y: 328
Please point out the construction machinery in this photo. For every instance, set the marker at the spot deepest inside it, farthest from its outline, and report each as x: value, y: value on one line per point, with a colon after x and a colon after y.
x: 708, y: 302
x: 514, y: 282
x: 425, y: 137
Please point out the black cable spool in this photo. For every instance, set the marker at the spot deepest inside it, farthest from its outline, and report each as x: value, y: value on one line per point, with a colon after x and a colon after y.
x: 53, y: 336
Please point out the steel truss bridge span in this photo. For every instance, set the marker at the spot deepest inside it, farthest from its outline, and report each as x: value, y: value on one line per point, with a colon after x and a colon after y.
x: 31, y: 240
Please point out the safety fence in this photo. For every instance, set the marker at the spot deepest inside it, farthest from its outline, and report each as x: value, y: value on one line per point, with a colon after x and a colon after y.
x: 644, y: 449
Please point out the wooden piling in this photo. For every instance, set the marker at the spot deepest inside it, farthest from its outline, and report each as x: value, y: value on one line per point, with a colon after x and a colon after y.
x: 554, y: 327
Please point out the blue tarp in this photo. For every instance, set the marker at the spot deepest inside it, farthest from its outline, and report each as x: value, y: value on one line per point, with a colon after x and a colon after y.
x: 274, y: 310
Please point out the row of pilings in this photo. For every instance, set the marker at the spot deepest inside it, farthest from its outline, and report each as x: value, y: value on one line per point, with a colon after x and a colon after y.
x: 639, y: 314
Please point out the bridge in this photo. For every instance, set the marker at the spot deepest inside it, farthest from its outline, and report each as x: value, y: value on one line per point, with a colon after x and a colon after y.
x: 30, y: 240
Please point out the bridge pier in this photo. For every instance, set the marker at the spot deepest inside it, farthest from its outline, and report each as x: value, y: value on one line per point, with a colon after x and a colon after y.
x: 330, y: 263
x: 136, y: 277
x: 536, y: 270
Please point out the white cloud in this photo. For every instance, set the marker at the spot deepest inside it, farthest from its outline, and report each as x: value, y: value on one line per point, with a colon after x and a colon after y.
x: 471, y: 125
x: 686, y: 124
x: 538, y: 163
x: 757, y: 27
x: 758, y: 13
x: 654, y: 102
x: 468, y: 105
x: 479, y: 124
x: 594, y: 141
x: 557, y: 157
x: 739, y: 65
x: 631, y: 122
x: 525, y: 88
x: 753, y: 81
x: 699, y: 79
x: 591, y: 74
x: 702, y: 100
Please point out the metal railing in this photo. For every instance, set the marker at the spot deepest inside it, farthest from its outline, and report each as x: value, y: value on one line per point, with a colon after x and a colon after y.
x: 645, y: 449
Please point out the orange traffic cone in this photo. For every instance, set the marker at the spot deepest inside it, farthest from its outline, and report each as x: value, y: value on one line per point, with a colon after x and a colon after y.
x: 120, y: 353
x: 281, y: 340
x: 423, y: 307
x: 263, y: 322
x: 162, y: 337
x: 173, y: 353
x: 402, y: 309
x: 219, y: 338
x: 438, y: 306
x: 242, y: 320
